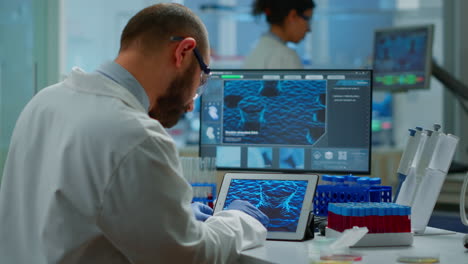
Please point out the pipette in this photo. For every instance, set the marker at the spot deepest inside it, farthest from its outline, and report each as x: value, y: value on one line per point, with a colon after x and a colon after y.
x: 408, y: 157
x: 427, y: 151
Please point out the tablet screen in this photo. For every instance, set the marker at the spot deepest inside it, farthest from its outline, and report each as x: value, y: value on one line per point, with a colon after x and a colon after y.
x: 285, y: 198
x: 280, y: 200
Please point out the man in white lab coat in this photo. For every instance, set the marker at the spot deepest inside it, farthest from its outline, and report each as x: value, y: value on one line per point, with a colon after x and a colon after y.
x: 91, y: 177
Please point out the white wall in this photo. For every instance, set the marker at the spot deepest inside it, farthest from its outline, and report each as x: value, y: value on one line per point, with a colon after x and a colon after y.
x: 456, y: 54
x: 93, y: 29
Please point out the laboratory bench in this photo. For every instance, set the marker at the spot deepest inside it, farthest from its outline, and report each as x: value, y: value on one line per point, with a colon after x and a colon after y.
x: 446, y: 245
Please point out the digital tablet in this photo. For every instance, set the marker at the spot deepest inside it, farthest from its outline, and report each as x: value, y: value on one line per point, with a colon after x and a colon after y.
x: 285, y: 198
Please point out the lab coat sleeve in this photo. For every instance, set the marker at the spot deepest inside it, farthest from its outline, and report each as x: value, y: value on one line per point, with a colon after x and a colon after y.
x: 146, y: 213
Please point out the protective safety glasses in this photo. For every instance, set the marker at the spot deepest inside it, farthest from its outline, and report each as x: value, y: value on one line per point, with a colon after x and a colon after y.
x: 205, y: 73
x: 306, y: 18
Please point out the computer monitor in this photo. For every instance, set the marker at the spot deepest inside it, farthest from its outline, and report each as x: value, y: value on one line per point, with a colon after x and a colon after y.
x: 288, y: 120
x: 402, y: 58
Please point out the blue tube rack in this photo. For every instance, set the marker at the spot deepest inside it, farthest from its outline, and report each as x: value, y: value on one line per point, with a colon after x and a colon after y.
x: 325, y: 194
x: 205, y: 200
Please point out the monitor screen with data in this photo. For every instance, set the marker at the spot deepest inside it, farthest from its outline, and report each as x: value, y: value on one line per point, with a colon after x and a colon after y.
x: 402, y: 58
x: 288, y: 120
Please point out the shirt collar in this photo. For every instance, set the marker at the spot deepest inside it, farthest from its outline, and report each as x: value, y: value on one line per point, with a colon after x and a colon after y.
x: 120, y: 75
x: 274, y: 36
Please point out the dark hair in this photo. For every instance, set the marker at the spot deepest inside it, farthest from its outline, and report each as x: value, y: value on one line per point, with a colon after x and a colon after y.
x: 157, y: 23
x: 277, y: 10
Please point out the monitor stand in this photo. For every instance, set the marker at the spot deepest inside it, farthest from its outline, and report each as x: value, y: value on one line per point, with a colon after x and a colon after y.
x: 310, y: 228
x: 458, y: 88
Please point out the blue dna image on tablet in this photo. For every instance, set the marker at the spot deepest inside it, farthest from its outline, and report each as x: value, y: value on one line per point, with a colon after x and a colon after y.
x: 280, y: 200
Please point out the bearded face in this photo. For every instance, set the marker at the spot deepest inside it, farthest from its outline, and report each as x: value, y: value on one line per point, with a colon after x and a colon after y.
x: 173, y: 104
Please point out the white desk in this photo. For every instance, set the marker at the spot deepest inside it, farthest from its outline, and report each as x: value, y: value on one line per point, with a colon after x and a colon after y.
x: 449, y: 247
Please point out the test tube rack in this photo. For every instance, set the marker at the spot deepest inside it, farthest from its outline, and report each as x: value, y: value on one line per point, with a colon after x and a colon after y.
x: 209, y: 198
x: 377, y: 239
x: 389, y: 224
x: 326, y: 194
x: 377, y: 217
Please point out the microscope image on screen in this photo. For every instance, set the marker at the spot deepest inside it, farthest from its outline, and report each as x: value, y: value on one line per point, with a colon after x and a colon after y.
x: 400, y: 53
x: 280, y: 200
x: 291, y: 158
x: 260, y: 157
x: 274, y: 112
x: 288, y: 120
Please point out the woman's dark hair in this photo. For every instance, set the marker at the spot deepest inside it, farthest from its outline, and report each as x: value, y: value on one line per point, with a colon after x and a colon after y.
x: 277, y: 10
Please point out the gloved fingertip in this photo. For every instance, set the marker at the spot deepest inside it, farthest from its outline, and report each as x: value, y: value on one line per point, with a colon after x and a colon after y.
x: 207, y: 210
x: 205, y: 217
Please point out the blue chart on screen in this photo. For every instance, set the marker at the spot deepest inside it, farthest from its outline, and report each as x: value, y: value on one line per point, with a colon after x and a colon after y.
x: 228, y: 156
x: 291, y: 158
x: 260, y: 157
x: 280, y: 200
x: 274, y: 112
x: 400, y: 53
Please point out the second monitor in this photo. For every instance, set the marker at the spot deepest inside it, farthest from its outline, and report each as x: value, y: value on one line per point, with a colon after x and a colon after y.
x: 288, y: 120
x: 403, y: 58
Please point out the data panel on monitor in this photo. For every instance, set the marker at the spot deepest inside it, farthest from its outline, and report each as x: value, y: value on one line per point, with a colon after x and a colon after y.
x: 272, y: 120
x: 402, y: 58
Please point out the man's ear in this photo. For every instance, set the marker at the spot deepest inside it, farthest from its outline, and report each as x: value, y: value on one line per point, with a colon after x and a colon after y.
x: 183, y: 51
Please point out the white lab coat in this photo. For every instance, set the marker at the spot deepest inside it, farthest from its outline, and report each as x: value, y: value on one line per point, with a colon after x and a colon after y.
x: 90, y: 178
x: 272, y: 53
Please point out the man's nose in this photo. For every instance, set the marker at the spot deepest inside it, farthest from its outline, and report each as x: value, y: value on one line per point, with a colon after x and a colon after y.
x: 190, y: 107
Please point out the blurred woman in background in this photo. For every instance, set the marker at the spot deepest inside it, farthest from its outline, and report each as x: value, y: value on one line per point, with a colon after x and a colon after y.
x: 289, y: 22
